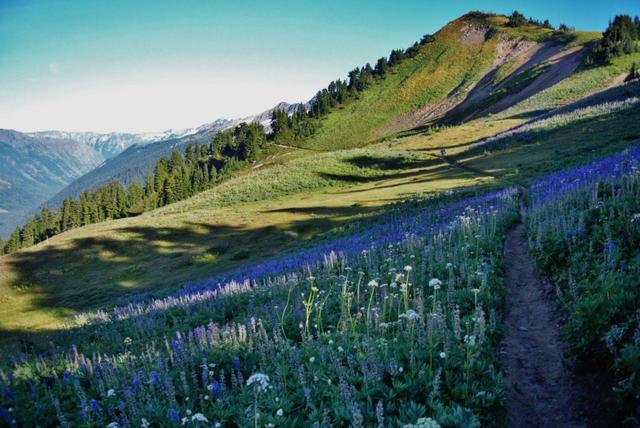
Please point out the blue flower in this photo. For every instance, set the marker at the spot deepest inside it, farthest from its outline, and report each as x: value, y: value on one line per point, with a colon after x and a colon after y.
x: 236, y: 362
x: 4, y: 414
x: 215, y: 388
x: 93, y: 405
x: 174, y: 416
x: 8, y: 395
x: 154, y: 378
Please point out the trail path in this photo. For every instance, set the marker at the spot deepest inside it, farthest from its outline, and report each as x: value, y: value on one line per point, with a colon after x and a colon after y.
x: 538, y: 384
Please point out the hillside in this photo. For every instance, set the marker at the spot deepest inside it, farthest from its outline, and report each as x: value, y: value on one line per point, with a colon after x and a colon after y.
x: 472, y: 61
x: 33, y: 169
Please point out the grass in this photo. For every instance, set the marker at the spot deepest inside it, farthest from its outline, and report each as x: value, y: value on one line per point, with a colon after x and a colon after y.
x: 439, y: 68
x: 525, y: 156
x: 582, y: 83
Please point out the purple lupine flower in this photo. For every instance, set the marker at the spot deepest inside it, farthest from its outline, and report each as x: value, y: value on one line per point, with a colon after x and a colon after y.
x: 94, y: 406
x: 236, y: 362
x: 8, y: 394
x: 154, y: 378
x: 136, y: 381
x: 176, y: 345
x: 215, y: 388
x: 174, y: 416
x: 5, y: 415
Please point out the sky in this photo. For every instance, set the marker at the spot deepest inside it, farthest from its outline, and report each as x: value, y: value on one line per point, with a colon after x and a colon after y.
x: 151, y: 65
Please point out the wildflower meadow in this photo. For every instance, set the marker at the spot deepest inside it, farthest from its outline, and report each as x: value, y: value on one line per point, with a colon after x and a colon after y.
x: 395, y: 325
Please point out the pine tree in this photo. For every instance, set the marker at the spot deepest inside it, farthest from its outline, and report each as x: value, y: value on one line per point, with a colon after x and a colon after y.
x: 167, y: 195
x: 381, y: 66
x: 13, y: 244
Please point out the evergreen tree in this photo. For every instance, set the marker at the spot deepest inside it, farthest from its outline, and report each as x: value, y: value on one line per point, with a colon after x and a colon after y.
x: 516, y: 19
x: 13, y: 244
x: 381, y: 66
x: 619, y: 39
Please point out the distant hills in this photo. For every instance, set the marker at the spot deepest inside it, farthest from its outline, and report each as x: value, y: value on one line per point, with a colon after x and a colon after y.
x: 43, y: 168
x: 33, y: 169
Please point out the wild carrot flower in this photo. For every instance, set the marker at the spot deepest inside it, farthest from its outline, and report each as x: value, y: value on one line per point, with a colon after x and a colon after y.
x: 435, y: 283
x: 199, y: 417
x: 260, y: 380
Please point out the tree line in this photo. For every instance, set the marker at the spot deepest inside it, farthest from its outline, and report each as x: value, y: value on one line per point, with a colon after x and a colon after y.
x: 621, y: 37
x: 173, y: 179
x: 292, y: 129
x: 517, y: 19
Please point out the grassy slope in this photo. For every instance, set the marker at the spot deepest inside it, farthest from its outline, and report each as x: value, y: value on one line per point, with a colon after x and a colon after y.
x: 439, y: 68
x: 300, y: 196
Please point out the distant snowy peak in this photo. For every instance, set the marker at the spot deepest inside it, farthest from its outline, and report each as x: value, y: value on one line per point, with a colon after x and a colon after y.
x: 112, y: 144
x: 264, y: 118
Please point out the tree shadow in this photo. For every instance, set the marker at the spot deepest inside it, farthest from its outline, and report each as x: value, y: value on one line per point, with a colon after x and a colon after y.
x: 92, y: 272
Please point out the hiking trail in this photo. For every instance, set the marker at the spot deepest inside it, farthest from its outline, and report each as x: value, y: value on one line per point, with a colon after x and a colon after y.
x: 538, y: 381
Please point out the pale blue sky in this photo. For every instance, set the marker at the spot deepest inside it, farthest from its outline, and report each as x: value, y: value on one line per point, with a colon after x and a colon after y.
x: 150, y: 65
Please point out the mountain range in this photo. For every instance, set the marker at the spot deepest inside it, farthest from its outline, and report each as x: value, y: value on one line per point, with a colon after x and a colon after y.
x: 44, y: 167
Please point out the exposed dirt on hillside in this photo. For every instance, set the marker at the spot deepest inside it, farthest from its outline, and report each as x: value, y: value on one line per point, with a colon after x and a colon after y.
x: 520, y: 53
x: 562, y: 64
x: 472, y: 35
x: 539, y: 386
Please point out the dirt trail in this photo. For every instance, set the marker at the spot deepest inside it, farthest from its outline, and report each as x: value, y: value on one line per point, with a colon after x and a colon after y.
x: 538, y: 381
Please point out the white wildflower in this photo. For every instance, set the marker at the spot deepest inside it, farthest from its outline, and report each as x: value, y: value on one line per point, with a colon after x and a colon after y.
x: 111, y: 393
x: 408, y: 268
x: 435, y: 283
x: 199, y: 417
x: 113, y: 425
x: 373, y: 283
x: 312, y: 360
x: 280, y: 412
x: 144, y: 423
x: 261, y: 380
x: 470, y: 340
x: 443, y: 355
x: 410, y: 315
